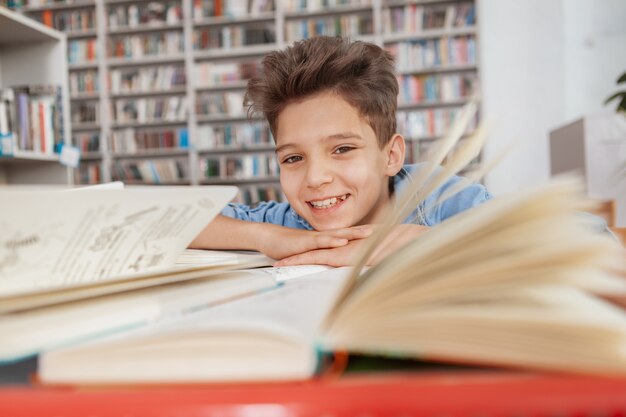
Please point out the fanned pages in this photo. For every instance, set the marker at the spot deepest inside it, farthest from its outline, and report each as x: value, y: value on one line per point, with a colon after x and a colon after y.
x: 494, y: 269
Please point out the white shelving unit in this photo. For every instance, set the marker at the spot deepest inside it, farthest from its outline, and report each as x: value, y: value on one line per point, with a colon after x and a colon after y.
x: 371, y: 22
x: 31, y: 53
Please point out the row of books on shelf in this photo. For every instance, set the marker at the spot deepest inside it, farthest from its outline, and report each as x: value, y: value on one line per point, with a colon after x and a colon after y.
x: 317, y: 5
x: 210, y: 74
x: 31, y: 119
x: 82, y: 51
x: 416, y: 89
x: 337, y: 25
x: 146, y: 44
x: 224, y: 167
x: 140, y: 110
x: 242, y: 166
x: 413, y: 17
x: 402, y: 18
x: 252, y: 194
x: 230, y: 8
x: 433, y: 53
x: 84, y: 82
x: 146, y: 79
x: 85, y: 112
x: 156, y: 171
x: 237, y: 136
x: 136, y: 14
x: 428, y: 123
x: 131, y: 80
x: 135, y: 140
x: 227, y: 37
x: 86, y: 142
x: 88, y: 173
x: 229, y: 103
x: 68, y: 20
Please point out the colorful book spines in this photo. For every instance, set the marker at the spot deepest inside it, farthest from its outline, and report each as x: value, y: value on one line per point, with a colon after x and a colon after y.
x: 415, y: 89
x: 137, y: 141
x: 33, y: 114
x: 247, y: 166
x: 156, y: 171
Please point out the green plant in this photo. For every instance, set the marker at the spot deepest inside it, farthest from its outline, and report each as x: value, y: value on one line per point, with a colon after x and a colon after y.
x: 620, y: 96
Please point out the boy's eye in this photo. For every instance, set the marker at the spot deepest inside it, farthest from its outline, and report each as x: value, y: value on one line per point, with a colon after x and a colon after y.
x: 292, y: 159
x: 343, y: 149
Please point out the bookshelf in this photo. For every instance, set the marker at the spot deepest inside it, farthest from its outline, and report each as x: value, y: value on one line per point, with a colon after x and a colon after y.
x: 175, y: 72
x: 32, y: 54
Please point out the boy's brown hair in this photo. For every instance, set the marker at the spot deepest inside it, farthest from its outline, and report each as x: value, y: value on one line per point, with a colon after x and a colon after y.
x: 361, y: 73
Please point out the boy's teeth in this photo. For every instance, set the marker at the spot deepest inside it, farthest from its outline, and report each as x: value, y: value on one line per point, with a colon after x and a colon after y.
x: 327, y: 203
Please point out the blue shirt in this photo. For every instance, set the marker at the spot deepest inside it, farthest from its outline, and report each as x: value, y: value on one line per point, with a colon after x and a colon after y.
x: 427, y: 213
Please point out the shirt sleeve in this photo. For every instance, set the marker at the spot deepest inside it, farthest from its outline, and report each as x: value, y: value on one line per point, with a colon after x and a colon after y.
x: 266, y: 212
x: 437, y: 211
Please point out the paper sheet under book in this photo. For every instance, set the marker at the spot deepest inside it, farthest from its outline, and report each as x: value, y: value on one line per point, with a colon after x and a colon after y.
x: 53, y: 240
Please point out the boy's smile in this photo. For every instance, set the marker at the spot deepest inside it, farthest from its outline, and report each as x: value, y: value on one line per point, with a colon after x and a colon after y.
x: 332, y: 170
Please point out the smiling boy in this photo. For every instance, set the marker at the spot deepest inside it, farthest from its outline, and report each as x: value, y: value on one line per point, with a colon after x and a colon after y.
x: 331, y: 106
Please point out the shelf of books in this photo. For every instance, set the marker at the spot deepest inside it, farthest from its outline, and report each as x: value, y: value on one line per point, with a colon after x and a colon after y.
x: 434, y: 44
x: 33, y: 102
x: 158, y: 85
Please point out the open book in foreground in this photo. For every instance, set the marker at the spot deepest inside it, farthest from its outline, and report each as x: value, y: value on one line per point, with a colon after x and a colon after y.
x: 509, y: 283
x: 512, y: 282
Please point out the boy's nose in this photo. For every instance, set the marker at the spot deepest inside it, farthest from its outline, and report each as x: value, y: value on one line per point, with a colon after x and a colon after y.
x: 318, y: 174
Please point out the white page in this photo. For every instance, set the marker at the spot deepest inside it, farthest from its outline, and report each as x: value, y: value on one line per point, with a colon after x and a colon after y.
x: 283, y: 274
x: 53, y: 240
x: 113, y: 185
x: 296, y: 308
x: 219, y: 257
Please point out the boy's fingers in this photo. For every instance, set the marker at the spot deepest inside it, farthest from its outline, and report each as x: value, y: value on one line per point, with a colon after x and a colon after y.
x: 358, y: 232
x: 325, y: 241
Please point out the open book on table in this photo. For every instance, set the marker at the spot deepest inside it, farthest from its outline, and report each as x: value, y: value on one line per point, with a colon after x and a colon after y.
x: 509, y: 283
x: 512, y: 282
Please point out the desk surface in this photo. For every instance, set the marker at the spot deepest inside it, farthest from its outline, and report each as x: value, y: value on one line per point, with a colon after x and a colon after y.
x: 450, y: 394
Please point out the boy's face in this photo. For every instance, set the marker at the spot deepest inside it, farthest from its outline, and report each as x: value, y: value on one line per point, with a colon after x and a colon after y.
x: 332, y: 170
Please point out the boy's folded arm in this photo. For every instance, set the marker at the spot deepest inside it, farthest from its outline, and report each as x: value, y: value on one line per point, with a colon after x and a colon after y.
x: 273, y: 240
x: 226, y: 233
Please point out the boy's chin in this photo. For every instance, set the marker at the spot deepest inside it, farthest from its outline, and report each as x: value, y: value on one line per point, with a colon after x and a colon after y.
x: 322, y: 227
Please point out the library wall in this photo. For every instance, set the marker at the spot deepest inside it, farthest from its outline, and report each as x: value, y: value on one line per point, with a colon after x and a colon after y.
x: 544, y: 63
x: 594, y: 54
x: 521, y: 69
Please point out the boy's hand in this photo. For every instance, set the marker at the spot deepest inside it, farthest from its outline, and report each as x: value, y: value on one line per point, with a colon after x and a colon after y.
x: 282, y: 242
x: 346, y: 255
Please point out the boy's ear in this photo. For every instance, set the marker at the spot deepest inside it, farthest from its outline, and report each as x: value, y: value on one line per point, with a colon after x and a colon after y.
x: 394, y: 151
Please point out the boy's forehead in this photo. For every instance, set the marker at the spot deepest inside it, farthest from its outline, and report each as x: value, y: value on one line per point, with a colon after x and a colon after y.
x: 322, y: 139
x: 323, y: 116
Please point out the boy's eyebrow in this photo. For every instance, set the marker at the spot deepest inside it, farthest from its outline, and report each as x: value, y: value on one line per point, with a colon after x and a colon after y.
x: 336, y: 136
